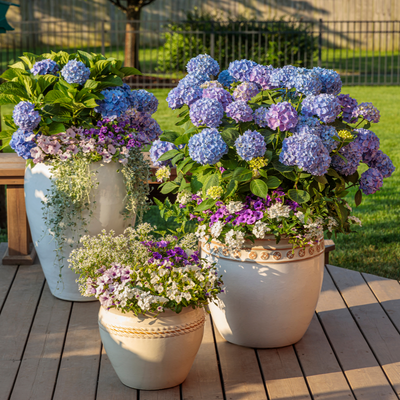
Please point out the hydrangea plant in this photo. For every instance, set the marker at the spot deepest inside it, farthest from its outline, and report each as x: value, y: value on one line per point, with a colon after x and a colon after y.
x: 135, y: 272
x: 278, y: 160
x: 72, y: 110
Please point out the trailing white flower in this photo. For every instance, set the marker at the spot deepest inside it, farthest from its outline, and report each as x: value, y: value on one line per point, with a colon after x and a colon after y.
x: 279, y: 211
x: 355, y: 220
x: 235, y: 206
x: 234, y: 239
x: 331, y: 223
x: 300, y: 216
x: 201, y: 231
x: 216, y: 229
x: 183, y: 197
x: 259, y: 229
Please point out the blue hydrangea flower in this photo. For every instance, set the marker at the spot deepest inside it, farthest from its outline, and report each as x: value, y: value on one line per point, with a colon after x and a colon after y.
x: 147, y: 127
x: 327, y: 133
x: 240, y: 69
x: 260, y: 116
x: 368, y: 142
x: 22, y: 143
x: 45, y: 67
x: 211, y: 85
x: 353, y: 155
x: 324, y: 106
x: 307, y: 152
x: 348, y: 107
x: 246, y: 91
x: 158, y: 149
x: 203, y: 64
x: 190, y: 94
x: 260, y: 74
x: 250, y: 145
x: 194, y: 79
x: 207, y: 147
x: 75, y: 72
x: 282, y: 115
x: 306, y: 81
x: 174, y: 99
x: 382, y: 163
x: 368, y: 112
x: 219, y: 94
x: 144, y: 101
x: 283, y: 77
x: 311, y: 125
x: 207, y: 112
x: 25, y: 116
x: 114, y: 104
x: 226, y: 79
x: 371, y: 181
x: 240, y: 111
x: 330, y: 79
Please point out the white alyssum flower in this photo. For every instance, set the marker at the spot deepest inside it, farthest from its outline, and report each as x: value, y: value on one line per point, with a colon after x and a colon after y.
x: 184, y: 197
x: 216, y: 229
x: 259, y: 229
x: 201, y: 231
x: 279, y: 211
x: 300, y: 216
x: 355, y: 220
x: 234, y: 206
x: 234, y: 239
x: 314, y: 230
x: 331, y: 223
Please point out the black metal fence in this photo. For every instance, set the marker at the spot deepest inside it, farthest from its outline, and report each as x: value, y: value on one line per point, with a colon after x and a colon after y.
x: 363, y: 52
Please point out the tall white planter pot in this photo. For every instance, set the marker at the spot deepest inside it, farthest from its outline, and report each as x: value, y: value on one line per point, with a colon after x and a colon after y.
x: 109, y: 196
x: 271, y: 294
x: 152, y: 353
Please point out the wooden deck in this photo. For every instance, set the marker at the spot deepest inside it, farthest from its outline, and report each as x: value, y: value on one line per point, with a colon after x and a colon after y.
x: 51, y: 349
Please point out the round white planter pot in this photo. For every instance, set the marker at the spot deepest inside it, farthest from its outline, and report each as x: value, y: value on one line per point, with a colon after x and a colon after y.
x: 270, y: 293
x: 109, y: 196
x: 150, y: 353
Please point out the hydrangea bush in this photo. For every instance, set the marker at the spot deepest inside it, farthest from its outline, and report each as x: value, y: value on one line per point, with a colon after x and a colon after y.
x: 278, y: 159
x: 72, y: 110
x: 135, y: 272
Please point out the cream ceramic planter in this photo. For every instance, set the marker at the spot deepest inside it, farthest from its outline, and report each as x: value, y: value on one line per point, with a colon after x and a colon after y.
x: 271, y: 294
x: 109, y: 196
x: 152, y: 353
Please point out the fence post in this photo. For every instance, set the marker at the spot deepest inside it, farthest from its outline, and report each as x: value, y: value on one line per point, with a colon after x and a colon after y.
x: 212, y: 40
x: 320, y: 43
x: 103, y: 45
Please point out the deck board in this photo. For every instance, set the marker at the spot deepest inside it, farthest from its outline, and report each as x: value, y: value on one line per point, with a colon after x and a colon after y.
x: 51, y: 349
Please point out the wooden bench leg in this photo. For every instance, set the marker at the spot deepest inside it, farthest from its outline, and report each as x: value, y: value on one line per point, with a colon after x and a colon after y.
x: 20, y: 250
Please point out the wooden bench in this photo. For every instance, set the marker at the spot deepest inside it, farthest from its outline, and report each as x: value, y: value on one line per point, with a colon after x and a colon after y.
x: 20, y: 250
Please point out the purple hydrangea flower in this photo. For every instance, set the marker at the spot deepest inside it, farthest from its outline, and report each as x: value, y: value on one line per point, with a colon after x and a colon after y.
x: 241, y: 69
x: 330, y: 79
x: 371, y: 181
x: 174, y: 99
x: 306, y: 81
x: 368, y: 112
x: 25, y: 116
x: 219, y: 94
x: 325, y: 106
x: 45, y: 67
x: 226, y: 79
x: 22, y: 143
x: 250, y: 145
x: 240, y: 111
x: 369, y: 143
x: 307, y: 152
x: 327, y: 133
x: 207, y: 112
x: 144, y: 101
x: 348, y: 106
x: 246, y: 91
x: 310, y: 125
x: 204, y: 64
x: 260, y: 116
x: 260, y: 74
x: 191, y: 94
x: 353, y: 154
x: 207, y: 147
x: 75, y: 72
x: 283, y: 77
x: 114, y: 104
x: 282, y: 115
x: 147, y: 127
x: 382, y: 163
x: 158, y: 149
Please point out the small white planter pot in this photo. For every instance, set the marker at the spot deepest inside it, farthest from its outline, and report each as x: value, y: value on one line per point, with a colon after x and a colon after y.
x: 271, y: 294
x: 109, y: 196
x: 150, y: 353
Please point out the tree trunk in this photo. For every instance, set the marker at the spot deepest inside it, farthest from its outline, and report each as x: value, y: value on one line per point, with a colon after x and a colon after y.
x: 132, y: 37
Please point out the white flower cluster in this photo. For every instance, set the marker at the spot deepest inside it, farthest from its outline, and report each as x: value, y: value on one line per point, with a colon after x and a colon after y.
x: 331, y: 223
x: 234, y: 239
x: 201, y: 231
x: 216, y: 229
x: 259, y: 229
x: 314, y: 230
x: 300, y: 216
x: 355, y: 220
x: 279, y: 211
x: 184, y: 197
x: 163, y: 173
x: 235, y: 206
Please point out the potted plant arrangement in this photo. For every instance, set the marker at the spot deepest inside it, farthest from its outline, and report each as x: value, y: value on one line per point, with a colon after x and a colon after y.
x: 263, y: 167
x: 81, y: 130
x: 152, y: 294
